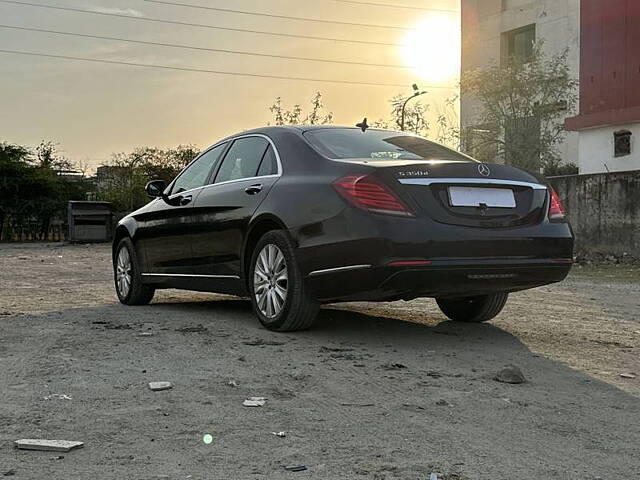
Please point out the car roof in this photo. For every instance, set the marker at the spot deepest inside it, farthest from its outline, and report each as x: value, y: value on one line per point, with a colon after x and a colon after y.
x: 275, y: 130
x: 305, y: 128
x: 298, y: 129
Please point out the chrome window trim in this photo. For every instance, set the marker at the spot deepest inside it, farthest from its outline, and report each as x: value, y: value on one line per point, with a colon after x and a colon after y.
x: 184, y: 192
x: 235, y: 277
x: 240, y: 180
x: 249, y: 135
x: 221, y: 183
x: 484, y: 181
x: 230, y: 142
x: 338, y: 269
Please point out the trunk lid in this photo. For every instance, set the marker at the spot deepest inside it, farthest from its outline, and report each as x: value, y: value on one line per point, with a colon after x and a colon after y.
x: 429, y: 185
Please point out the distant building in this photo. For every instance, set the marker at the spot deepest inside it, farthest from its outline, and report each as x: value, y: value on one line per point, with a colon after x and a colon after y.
x: 106, y: 178
x: 603, y: 37
x: 493, y: 30
x: 608, y: 125
x: 105, y: 173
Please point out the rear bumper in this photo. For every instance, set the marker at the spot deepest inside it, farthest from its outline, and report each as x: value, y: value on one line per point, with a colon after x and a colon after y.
x: 461, y: 260
x: 449, y: 278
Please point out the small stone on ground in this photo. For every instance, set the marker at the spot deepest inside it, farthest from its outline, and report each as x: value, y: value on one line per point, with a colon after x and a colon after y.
x: 296, y: 468
x: 254, y: 402
x: 47, y: 445
x: 510, y: 374
x: 158, y: 386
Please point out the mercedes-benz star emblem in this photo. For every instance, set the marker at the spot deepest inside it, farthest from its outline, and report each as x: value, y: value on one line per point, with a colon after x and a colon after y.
x: 484, y: 170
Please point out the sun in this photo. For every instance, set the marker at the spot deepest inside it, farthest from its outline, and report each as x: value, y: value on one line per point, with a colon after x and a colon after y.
x: 432, y: 48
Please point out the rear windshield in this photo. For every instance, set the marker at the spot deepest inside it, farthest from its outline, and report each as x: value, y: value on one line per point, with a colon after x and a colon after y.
x: 345, y: 143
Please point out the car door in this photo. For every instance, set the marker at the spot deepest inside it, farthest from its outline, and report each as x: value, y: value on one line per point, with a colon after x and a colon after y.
x: 166, y: 227
x: 223, y: 210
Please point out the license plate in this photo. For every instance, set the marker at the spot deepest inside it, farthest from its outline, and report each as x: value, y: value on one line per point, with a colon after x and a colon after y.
x: 475, y: 196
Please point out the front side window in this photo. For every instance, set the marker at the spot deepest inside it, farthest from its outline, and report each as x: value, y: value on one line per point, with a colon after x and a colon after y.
x: 243, y: 159
x: 377, y: 145
x: 197, y: 174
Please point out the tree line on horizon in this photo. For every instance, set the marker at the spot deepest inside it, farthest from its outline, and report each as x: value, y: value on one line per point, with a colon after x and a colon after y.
x: 34, y: 190
x: 37, y: 184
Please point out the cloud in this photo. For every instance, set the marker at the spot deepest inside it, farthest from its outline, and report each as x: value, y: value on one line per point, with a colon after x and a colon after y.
x: 119, y: 11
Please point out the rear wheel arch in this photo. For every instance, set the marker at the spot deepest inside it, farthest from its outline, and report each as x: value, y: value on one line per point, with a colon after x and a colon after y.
x: 279, y: 278
x: 257, y: 229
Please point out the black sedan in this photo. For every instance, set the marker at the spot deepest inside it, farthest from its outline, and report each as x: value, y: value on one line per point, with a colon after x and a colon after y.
x: 293, y: 217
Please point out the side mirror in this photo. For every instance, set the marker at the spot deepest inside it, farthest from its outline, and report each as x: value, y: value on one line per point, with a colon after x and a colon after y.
x: 156, y: 188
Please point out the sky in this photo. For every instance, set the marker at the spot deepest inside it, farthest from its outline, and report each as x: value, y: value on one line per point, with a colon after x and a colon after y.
x: 94, y: 109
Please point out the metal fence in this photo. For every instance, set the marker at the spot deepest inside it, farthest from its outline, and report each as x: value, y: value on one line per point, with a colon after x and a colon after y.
x: 33, y: 231
x: 85, y: 222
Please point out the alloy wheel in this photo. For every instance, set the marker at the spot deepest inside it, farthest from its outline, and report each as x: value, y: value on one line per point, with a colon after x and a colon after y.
x: 270, y: 281
x: 123, y: 272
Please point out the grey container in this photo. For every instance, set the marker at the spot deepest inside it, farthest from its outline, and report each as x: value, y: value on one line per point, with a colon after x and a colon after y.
x: 90, y: 221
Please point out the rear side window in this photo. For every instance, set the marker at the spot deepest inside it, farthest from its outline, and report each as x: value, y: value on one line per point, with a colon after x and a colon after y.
x: 345, y: 143
x: 269, y: 164
x: 196, y: 174
x: 243, y: 159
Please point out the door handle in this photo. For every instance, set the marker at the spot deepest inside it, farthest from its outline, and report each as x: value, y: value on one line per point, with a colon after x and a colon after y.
x: 185, y: 200
x: 253, y: 189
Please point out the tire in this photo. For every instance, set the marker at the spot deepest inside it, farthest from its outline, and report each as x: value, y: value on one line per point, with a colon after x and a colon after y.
x: 298, y: 309
x: 137, y: 293
x: 473, y: 309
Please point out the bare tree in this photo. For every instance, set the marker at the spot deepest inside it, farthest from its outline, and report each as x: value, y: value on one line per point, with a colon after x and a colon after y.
x: 316, y: 116
x: 47, y: 156
x: 414, y: 117
x: 448, y: 123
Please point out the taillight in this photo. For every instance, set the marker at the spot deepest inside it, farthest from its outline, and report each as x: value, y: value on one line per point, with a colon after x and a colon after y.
x: 556, y: 210
x: 368, y: 193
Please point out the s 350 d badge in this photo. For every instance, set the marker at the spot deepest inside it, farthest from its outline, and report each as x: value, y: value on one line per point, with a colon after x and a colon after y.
x: 413, y: 173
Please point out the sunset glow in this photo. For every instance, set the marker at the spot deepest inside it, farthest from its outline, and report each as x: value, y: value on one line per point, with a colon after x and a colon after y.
x: 432, y: 48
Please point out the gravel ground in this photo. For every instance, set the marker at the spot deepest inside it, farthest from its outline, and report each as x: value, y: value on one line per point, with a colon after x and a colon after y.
x: 381, y: 391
